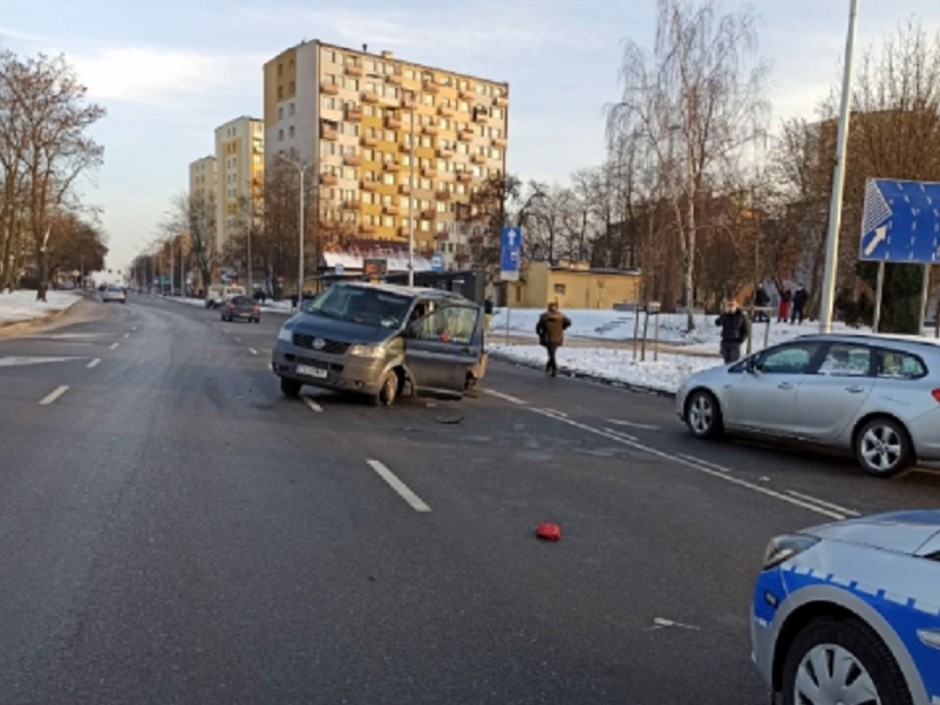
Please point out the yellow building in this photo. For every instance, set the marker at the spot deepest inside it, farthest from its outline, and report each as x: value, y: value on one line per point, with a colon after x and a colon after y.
x: 387, y: 138
x: 202, y: 178
x: 575, y: 287
x: 239, y: 152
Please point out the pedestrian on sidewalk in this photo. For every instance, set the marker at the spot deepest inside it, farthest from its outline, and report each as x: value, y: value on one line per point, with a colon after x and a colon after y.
x: 800, y: 299
x: 551, y: 331
x: 735, y: 329
x: 487, y: 312
x: 783, y: 313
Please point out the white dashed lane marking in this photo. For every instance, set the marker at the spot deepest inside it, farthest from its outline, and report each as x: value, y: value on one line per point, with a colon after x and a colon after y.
x: 94, y: 363
x: 505, y: 397
x: 252, y: 351
x: 52, y: 396
x: 413, y: 500
x: 313, y: 405
x: 114, y: 346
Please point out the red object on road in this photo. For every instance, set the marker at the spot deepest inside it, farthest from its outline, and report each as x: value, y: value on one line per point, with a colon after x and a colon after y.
x: 548, y: 532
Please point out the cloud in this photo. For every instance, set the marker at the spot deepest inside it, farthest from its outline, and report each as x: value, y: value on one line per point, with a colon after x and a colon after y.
x: 161, y: 76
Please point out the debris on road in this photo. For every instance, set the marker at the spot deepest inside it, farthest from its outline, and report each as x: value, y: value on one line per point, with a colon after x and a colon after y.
x: 548, y: 532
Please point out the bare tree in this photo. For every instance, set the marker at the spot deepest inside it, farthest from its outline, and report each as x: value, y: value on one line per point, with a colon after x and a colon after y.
x: 45, y: 129
x: 695, y: 103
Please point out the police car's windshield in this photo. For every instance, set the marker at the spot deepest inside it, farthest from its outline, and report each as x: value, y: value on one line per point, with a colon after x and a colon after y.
x: 372, y: 307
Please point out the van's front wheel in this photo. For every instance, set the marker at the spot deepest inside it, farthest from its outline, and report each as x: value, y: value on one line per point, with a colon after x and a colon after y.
x: 389, y: 391
x: 290, y: 387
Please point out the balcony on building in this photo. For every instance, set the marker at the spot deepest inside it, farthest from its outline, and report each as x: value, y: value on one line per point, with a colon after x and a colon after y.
x: 352, y: 204
x: 499, y: 141
x: 329, y: 179
x: 501, y: 101
x: 475, y: 239
x: 443, y: 195
x: 428, y: 214
x: 391, y: 167
x: 329, y: 88
x: 367, y: 185
x: 353, y: 114
x: 367, y: 141
x: 430, y: 129
x: 466, y: 93
x: 404, y: 189
x: 478, y: 159
x: 429, y: 87
x: 445, y: 111
x: 465, y: 135
x: 392, y: 122
x: 464, y: 177
x: 389, y: 209
x: 462, y: 256
x: 369, y: 97
x: 442, y: 236
x: 329, y: 133
x: 444, y: 153
x: 404, y: 231
x: 394, y: 78
x: 367, y: 229
x: 429, y: 172
x: 352, y: 160
x: 354, y: 70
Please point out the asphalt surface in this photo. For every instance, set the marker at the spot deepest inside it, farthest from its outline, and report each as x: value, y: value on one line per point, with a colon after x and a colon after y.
x: 173, y: 530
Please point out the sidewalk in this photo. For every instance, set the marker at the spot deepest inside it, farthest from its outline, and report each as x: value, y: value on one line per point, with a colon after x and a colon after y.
x: 495, y: 337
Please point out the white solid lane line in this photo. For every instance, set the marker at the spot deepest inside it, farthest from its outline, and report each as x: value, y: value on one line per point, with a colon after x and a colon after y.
x: 252, y: 351
x: 94, y: 363
x: 400, y: 487
x: 695, y: 465
x: 114, y: 346
x: 505, y: 397
x: 631, y: 424
x: 52, y: 396
x: 313, y: 405
x: 713, y: 466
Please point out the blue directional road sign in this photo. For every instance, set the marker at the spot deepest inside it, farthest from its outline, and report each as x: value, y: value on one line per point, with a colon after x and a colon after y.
x: 901, y: 221
x: 510, y: 254
x: 437, y: 262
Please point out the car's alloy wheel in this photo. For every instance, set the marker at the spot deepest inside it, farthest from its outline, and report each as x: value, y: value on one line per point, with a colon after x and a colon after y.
x: 882, y: 447
x: 703, y: 416
x: 841, y: 662
x: 389, y: 391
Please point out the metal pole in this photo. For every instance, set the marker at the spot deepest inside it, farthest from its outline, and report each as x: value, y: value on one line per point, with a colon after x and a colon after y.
x: 879, y: 293
x: 835, y: 209
x: 251, y: 289
x: 300, y: 262
x: 508, y: 304
x: 924, y: 301
x: 411, y: 201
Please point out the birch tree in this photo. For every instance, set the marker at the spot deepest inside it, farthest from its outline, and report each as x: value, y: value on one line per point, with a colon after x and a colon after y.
x: 696, y: 101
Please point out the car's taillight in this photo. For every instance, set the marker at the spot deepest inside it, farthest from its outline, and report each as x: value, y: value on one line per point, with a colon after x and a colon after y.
x: 257, y: 308
x: 936, y: 394
x: 231, y: 307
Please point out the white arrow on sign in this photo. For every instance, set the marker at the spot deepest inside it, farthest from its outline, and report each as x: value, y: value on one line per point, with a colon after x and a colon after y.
x: 881, y: 234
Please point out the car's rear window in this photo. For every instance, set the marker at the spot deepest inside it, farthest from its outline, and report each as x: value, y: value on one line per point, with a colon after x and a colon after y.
x: 895, y: 364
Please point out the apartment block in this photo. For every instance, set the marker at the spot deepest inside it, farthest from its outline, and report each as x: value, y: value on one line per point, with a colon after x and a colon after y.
x: 393, y: 144
x: 202, y: 178
x: 239, y: 153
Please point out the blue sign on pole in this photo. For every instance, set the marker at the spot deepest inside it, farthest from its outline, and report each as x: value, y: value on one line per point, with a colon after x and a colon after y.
x: 437, y: 262
x: 901, y: 222
x: 510, y: 254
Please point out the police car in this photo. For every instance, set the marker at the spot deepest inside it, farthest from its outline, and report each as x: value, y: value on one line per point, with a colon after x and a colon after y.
x: 849, y: 613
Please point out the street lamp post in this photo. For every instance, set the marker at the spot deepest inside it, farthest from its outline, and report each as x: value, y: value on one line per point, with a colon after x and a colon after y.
x: 301, y: 170
x: 417, y: 96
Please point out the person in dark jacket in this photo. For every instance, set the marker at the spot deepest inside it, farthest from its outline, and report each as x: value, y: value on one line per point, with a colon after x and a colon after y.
x: 761, y: 299
x: 487, y: 312
x: 551, y: 331
x: 800, y: 299
x: 735, y: 329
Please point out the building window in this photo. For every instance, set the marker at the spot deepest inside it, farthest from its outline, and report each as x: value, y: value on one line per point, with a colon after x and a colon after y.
x: 292, y: 87
x: 280, y: 135
x: 280, y: 69
x: 560, y: 289
x: 280, y: 92
x: 290, y: 132
x: 292, y: 109
x: 280, y: 113
x: 388, y: 221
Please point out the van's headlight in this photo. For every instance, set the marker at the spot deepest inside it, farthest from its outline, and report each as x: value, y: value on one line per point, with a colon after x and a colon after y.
x: 371, y: 351
x: 285, y: 334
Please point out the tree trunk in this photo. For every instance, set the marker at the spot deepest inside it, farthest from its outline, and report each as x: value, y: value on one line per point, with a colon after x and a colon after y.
x: 690, y: 264
x: 42, y: 275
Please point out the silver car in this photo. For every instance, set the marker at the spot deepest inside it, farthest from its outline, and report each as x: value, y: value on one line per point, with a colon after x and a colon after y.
x: 877, y: 396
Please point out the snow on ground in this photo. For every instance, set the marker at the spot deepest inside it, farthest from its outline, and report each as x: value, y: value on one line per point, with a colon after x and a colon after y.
x: 21, y: 305
x: 612, y: 325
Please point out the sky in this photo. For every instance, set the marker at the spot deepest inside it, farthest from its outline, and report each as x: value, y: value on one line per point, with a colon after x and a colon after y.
x: 170, y: 72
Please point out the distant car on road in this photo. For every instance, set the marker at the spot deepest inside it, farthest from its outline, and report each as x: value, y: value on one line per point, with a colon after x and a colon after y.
x: 113, y: 292
x: 878, y: 396
x: 218, y: 294
x: 849, y: 613
x: 241, y: 307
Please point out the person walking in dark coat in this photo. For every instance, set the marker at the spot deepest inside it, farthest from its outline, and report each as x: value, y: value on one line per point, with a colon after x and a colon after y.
x: 800, y: 299
x: 761, y: 299
x: 487, y: 312
x: 551, y: 331
x: 735, y: 329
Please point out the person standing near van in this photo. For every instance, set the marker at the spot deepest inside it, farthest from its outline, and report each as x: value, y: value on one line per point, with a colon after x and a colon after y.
x: 551, y: 331
x: 487, y: 312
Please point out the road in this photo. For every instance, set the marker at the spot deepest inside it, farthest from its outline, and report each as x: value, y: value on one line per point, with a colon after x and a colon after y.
x: 173, y: 530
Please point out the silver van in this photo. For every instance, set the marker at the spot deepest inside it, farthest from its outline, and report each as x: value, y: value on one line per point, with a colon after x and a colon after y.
x: 380, y: 340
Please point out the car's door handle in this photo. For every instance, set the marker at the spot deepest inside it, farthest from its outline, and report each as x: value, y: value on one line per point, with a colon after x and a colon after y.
x: 855, y: 390
x: 784, y: 385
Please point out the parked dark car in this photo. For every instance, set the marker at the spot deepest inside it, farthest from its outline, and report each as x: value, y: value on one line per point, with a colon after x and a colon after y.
x: 243, y: 308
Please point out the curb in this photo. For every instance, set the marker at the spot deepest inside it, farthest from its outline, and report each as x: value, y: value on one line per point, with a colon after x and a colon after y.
x: 598, y: 379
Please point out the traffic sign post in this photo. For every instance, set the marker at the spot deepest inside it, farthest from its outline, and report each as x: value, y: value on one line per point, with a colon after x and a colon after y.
x: 510, y: 256
x: 437, y: 262
x: 901, y: 224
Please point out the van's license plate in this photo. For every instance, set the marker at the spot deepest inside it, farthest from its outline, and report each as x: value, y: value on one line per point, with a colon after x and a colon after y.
x: 308, y: 371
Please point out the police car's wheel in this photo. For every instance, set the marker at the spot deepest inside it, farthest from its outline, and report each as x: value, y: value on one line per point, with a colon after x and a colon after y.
x: 841, y: 662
